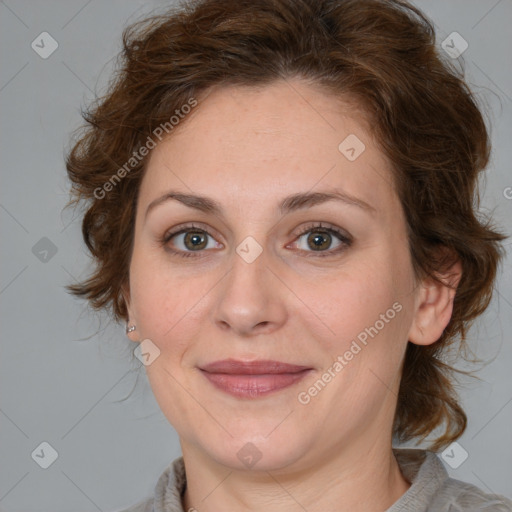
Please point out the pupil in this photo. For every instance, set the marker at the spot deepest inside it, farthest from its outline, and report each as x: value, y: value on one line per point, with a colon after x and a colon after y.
x: 319, y: 241
x: 198, y: 240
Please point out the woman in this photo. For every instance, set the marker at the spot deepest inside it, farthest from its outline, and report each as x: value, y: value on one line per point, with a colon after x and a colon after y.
x: 281, y: 207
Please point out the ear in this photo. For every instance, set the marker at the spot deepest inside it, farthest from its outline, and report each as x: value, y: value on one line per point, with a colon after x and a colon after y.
x: 125, y: 291
x: 434, y: 306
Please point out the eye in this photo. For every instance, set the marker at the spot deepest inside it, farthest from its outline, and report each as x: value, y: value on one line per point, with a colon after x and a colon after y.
x: 321, y: 238
x: 189, y: 239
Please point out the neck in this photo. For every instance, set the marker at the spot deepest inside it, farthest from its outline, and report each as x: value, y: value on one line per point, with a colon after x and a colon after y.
x: 357, y: 479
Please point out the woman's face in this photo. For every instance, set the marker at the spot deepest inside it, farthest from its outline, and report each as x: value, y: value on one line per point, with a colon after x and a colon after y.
x: 260, y: 278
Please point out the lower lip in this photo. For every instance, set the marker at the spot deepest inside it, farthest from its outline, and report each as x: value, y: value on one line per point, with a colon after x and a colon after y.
x: 253, y: 386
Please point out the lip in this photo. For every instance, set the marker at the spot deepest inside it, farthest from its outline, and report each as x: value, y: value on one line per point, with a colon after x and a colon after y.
x: 259, y: 367
x: 253, y: 379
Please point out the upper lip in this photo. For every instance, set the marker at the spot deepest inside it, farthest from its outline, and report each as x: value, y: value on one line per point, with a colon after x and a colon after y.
x: 260, y: 367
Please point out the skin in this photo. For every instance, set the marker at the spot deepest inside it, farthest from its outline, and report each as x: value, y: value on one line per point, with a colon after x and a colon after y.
x: 248, y: 148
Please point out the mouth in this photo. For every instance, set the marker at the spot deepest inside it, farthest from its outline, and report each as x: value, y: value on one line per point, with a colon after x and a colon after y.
x: 253, y: 379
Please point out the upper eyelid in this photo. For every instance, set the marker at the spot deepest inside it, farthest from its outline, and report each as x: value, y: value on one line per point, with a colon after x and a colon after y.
x: 312, y: 225
x: 180, y: 228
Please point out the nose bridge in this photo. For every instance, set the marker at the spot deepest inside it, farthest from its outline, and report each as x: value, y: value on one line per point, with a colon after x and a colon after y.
x: 245, y: 285
x: 248, y: 299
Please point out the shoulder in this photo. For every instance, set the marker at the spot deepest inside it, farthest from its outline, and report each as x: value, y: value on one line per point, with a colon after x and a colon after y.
x: 168, y: 491
x: 462, y: 496
x: 432, y: 489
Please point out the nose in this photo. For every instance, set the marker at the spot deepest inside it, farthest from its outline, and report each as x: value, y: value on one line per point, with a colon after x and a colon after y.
x: 250, y: 299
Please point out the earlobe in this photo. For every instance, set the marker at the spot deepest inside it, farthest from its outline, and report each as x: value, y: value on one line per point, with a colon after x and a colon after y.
x: 434, y: 306
x: 131, y: 325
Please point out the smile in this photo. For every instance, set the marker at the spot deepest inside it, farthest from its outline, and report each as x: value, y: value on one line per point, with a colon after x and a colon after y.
x: 253, y: 379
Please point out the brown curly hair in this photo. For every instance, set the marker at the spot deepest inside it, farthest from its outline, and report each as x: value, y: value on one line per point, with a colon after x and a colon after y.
x: 382, y: 53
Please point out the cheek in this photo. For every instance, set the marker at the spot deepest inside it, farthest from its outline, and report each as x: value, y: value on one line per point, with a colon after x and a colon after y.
x: 168, y: 302
x: 368, y: 319
x: 155, y: 298
x: 367, y: 309
x: 352, y: 301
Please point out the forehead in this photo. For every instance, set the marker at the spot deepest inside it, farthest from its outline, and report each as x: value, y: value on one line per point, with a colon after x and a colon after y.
x: 248, y: 144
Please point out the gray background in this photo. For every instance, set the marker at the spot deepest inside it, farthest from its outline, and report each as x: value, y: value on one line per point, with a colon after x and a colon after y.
x: 60, y: 387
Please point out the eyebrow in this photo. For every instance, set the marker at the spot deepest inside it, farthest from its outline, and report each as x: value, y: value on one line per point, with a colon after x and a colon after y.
x: 289, y: 204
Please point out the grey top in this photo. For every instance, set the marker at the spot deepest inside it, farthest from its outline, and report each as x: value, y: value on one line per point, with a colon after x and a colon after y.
x: 432, y: 490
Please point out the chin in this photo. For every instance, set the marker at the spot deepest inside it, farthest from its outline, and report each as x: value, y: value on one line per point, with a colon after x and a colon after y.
x: 257, y: 452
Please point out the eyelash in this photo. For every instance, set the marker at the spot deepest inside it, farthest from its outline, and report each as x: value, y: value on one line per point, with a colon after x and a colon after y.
x: 342, y: 236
